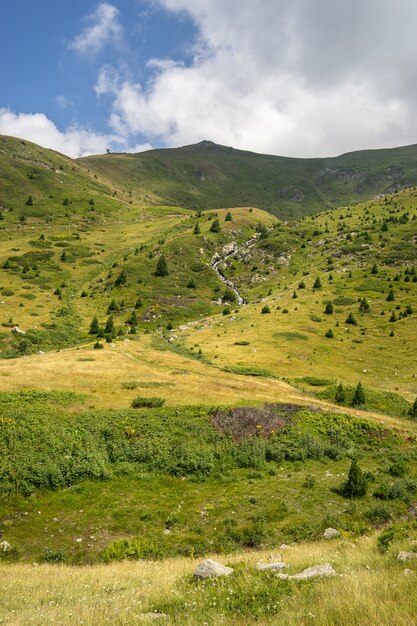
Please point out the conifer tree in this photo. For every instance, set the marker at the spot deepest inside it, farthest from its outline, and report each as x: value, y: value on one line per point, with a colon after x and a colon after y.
x: 359, y: 395
x: 356, y: 484
x: 94, y: 326
x: 215, y: 227
x: 340, y: 394
x: 162, y: 266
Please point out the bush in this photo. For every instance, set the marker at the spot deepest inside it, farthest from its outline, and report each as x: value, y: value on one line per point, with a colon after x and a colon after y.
x: 385, y: 538
x: 378, y: 515
x: 150, y: 403
x: 356, y: 484
x: 265, y: 309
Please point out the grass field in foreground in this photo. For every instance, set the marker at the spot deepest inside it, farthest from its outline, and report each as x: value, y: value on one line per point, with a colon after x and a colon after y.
x: 370, y: 589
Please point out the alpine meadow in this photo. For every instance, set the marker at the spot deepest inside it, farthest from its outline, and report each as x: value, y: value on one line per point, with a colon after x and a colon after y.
x: 208, y: 363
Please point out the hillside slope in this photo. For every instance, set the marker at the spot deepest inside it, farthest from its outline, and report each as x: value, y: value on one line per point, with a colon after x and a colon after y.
x: 207, y: 175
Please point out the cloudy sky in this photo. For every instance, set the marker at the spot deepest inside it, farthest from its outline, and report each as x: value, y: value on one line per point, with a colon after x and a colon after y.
x: 289, y: 77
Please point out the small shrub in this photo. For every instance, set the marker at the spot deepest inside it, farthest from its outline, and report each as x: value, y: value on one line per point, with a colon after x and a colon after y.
x: 378, y: 515
x: 149, y: 403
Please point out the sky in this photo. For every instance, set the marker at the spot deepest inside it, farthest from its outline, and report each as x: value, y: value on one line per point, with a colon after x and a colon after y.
x: 300, y: 78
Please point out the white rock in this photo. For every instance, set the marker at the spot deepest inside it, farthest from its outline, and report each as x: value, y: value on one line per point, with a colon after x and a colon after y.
x: 325, y: 569
x: 331, y: 533
x: 5, y: 546
x: 211, y: 569
x: 408, y: 572
x: 406, y: 556
x: 275, y: 567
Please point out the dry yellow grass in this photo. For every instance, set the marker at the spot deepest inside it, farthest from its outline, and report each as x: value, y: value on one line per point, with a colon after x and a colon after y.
x: 370, y: 589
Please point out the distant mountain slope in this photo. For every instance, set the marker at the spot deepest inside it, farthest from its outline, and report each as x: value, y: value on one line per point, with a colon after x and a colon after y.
x: 207, y: 175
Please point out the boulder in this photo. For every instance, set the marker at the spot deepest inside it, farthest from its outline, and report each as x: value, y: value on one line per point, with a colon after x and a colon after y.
x: 5, y: 546
x: 406, y: 556
x: 275, y: 567
x: 331, y: 533
x: 211, y: 569
x: 18, y: 330
x: 324, y: 569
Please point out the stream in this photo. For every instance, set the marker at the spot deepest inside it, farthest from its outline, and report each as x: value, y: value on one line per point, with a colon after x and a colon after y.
x: 215, y: 265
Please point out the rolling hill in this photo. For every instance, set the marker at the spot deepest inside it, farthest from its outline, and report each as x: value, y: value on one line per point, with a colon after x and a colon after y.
x: 207, y: 175
x: 176, y: 383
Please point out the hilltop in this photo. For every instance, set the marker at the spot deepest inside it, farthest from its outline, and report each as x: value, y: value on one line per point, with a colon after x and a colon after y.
x: 208, y: 175
x: 197, y: 177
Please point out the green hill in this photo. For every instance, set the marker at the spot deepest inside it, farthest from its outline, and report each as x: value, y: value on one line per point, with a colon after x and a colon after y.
x: 207, y: 175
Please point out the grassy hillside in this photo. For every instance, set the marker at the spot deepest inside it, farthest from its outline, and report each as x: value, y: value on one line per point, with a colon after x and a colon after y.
x: 207, y: 175
x: 146, y: 414
x: 360, y: 255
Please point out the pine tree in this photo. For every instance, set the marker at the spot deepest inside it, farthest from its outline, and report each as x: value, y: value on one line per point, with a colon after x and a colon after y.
x: 340, y: 394
x: 162, y: 266
x: 197, y: 229
x: 301, y: 285
x: 317, y: 283
x: 374, y: 269
x: 215, y: 227
x: 356, y: 484
x: 329, y: 334
x: 391, y: 296
x: 329, y: 308
x: 94, y: 326
x: 109, y: 328
x: 112, y: 307
x: 351, y: 319
x: 121, y: 279
x: 229, y: 217
x: 29, y: 201
x: 359, y: 396
x: 364, y: 306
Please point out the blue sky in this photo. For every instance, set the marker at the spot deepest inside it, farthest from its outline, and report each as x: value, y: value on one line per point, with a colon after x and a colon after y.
x: 300, y: 78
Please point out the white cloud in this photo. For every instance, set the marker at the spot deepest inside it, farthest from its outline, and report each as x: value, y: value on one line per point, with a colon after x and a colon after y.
x: 298, y: 78
x: 36, y: 127
x: 102, y: 27
x: 63, y: 102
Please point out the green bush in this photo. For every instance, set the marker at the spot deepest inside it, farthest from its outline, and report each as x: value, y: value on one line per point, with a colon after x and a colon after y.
x: 149, y: 403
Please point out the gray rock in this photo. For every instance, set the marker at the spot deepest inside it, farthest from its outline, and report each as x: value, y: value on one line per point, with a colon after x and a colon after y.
x: 18, y: 330
x: 275, y: 567
x: 211, y: 569
x: 406, y: 556
x: 5, y: 546
x: 325, y: 569
x: 331, y: 533
x: 408, y: 572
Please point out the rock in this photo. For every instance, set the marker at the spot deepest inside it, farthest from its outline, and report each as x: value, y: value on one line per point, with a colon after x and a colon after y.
x: 275, y: 567
x: 408, y: 572
x: 211, y: 569
x: 406, y: 556
x: 331, y: 533
x: 325, y: 569
x: 18, y: 330
x: 5, y: 546
x: 154, y: 615
x: 284, y: 546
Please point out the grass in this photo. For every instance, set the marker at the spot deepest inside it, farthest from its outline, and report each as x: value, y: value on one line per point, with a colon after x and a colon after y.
x: 235, y: 457
x: 123, y: 593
